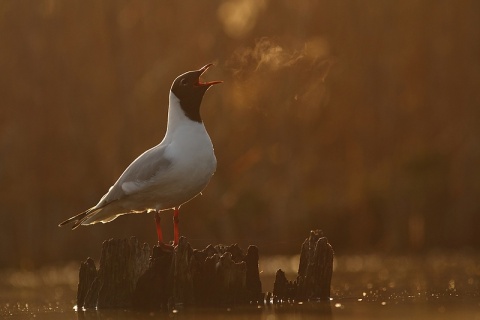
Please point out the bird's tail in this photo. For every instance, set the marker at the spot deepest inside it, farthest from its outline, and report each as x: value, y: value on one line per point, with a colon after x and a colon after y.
x: 80, y: 218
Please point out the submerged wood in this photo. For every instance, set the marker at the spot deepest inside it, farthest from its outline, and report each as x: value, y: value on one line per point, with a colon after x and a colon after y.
x: 129, y: 277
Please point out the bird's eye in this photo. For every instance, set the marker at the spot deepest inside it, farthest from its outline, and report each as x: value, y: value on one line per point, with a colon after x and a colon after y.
x: 183, y: 82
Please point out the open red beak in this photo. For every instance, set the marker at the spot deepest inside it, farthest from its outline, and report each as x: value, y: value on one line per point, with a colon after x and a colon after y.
x: 201, y: 71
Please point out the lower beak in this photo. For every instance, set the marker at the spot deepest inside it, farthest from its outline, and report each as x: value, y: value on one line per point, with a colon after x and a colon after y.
x: 201, y: 71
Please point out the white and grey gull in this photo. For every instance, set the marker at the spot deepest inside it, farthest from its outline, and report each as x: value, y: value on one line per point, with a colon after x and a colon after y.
x: 169, y: 174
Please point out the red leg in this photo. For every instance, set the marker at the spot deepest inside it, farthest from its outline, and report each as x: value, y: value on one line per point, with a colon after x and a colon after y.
x: 176, y: 233
x: 159, y: 227
x: 161, y: 244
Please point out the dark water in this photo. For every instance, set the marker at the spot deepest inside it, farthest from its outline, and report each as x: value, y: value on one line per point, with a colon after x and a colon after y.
x: 434, y: 286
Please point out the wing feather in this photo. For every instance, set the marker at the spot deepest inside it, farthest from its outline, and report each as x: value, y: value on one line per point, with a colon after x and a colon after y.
x: 139, y: 174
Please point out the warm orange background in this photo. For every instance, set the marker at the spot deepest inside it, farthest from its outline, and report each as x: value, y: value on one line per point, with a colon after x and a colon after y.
x: 361, y: 118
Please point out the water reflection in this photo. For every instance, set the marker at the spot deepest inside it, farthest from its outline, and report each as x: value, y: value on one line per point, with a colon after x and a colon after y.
x: 307, y: 310
x: 363, y: 287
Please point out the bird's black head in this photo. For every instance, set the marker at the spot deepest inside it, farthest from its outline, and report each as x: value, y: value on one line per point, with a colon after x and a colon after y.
x: 190, y: 90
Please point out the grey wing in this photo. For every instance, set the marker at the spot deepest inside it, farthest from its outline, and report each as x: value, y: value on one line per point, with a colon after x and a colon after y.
x: 138, y: 174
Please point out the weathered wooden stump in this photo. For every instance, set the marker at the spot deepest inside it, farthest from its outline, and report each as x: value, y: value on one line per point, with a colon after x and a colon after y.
x: 87, y: 274
x: 154, y: 287
x: 128, y: 277
x: 283, y: 289
x: 316, y: 267
x: 122, y: 262
x: 314, y: 272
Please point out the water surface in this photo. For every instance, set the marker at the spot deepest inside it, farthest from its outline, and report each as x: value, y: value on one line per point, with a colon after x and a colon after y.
x: 434, y: 286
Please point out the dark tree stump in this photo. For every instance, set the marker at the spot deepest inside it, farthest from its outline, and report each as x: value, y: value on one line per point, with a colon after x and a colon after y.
x: 154, y: 287
x: 315, y: 268
x: 253, y: 283
x: 121, y: 264
x: 215, y: 276
x: 209, y: 277
x: 282, y: 288
x: 87, y: 274
x: 184, y: 271
x: 314, y: 272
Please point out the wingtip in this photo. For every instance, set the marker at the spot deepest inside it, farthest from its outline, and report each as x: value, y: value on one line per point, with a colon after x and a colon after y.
x: 76, y: 224
x: 61, y: 224
x: 77, y: 220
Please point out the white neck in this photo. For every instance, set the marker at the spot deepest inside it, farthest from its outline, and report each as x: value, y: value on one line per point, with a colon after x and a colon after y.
x: 176, y: 115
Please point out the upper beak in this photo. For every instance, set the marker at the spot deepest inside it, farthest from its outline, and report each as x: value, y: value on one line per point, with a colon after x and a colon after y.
x: 201, y: 71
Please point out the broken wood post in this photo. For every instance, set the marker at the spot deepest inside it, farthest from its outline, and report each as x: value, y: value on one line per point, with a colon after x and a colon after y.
x: 183, y: 274
x: 87, y: 274
x: 315, y: 267
x: 209, y: 277
x: 154, y: 288
x: 314, y: 272
x: 215, y: 276
x: 253, y: 283
x: 121, y: 264
x: 283, y: 290
x: 220, y: 277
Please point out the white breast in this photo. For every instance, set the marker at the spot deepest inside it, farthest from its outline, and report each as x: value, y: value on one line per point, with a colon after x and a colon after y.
x: 191, y: 151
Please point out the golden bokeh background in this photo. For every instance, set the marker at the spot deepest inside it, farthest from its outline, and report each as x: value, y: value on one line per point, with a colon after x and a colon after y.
x: 361, y: 118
